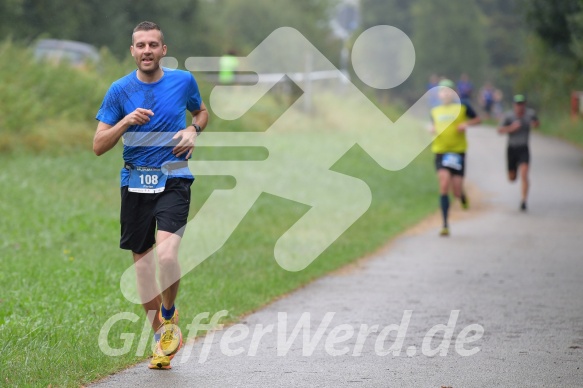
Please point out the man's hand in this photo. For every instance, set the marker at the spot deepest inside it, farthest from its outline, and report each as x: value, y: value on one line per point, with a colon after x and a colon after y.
x: 186, y: 144
x: 515, y: 126
x: 462, y: 127
x: 107, y: 136
x: 140, y: 116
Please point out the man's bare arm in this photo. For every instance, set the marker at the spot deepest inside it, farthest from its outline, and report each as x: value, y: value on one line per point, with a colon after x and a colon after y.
x: 474, y: 121
x: 107, y: 136
x: 513, y: 127
x: 187, y: 136
x: 201, y: 116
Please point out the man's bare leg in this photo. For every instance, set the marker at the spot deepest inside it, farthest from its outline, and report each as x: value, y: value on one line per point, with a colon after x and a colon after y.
x: 168, y: 335
x: 445, y: 182
x: 145, y: 265
x: 523, y: 169
x: 167, y: 251
x: 457, y: 184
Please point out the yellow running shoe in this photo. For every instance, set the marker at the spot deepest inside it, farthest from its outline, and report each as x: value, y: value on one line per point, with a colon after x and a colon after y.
x: 444, y: 231
x: 170, y: 335
x: 159, y: 359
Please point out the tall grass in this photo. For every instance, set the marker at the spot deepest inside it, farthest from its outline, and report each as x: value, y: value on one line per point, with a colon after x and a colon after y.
x: 562, y: 125
x: 60, y: 264
x: 44, y: 106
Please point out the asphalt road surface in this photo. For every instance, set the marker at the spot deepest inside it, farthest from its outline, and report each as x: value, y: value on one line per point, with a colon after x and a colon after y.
x: 499, y: 303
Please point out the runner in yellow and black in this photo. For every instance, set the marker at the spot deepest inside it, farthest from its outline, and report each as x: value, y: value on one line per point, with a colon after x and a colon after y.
x: 450, y: 146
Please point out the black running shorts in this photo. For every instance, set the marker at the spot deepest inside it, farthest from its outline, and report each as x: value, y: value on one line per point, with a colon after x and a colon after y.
x: 516, y: 156
x: 141, y: 214
x: 459, y: 169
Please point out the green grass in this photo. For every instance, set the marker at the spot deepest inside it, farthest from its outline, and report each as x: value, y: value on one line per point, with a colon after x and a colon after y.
x: 563, y: 126
x: 60, y: 264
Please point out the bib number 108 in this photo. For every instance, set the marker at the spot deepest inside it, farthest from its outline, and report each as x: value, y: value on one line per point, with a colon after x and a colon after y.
x: 148, y: 179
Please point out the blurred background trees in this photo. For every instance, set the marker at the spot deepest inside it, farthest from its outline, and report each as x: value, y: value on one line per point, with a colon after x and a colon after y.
x: 449, y: 45
x: 552, y: 65
x: 529, y: 46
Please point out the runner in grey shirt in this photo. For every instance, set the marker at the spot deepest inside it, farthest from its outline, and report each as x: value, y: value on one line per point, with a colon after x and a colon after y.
x: 517, y: 124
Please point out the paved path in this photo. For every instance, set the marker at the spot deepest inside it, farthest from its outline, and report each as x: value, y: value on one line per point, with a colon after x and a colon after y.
x: 518, y: 276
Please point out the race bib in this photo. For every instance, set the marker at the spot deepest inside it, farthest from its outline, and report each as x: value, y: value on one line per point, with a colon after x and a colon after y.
x: 148, y: 180
x: 453, y: 161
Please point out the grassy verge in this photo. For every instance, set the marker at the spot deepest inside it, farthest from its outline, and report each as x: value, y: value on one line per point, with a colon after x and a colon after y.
x: 564, y: 127
x: 60, y: 262
x: 49, y: 108
x: 61, y: 265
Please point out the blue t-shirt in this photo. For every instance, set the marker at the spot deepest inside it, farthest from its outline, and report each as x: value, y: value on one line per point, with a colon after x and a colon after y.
x: 151, y: 144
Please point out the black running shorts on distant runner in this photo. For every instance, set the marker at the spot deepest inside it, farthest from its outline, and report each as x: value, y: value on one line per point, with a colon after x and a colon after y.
x: 453, y: 162
x: 517, y: 155
x: 142, y: 214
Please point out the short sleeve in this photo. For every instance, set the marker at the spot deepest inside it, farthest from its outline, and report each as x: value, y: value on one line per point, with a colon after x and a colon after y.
x: 111, y: 110
x: 194, y: 101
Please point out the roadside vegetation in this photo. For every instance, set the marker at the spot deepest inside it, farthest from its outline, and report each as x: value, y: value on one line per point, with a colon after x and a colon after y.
x: 60, y: 264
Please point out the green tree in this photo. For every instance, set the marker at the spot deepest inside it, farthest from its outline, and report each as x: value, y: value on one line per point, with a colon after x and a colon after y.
x: 191, y: 27
x: 552, y: 21
x: 554, y: 59
x: 575, y: 21
x: 10, y: 14
x: 506, y: 34
x: 449, y: 39
x: 242, y: 25
x: 395, y: 13
x: 105, y: 22
x: 31, y: 18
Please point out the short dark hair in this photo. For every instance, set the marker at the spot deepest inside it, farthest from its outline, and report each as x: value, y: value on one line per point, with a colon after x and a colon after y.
x: 147, y: 26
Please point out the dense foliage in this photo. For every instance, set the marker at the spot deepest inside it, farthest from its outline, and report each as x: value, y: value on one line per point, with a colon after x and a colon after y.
x: 509, y: 42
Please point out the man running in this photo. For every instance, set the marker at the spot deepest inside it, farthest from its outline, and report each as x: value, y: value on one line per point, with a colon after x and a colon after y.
x: 517, y: 124
x: 450, y: 146
x: 147, y: 108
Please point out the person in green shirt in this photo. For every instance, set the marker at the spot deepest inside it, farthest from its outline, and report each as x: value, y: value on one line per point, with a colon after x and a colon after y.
x: 227, y: 66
